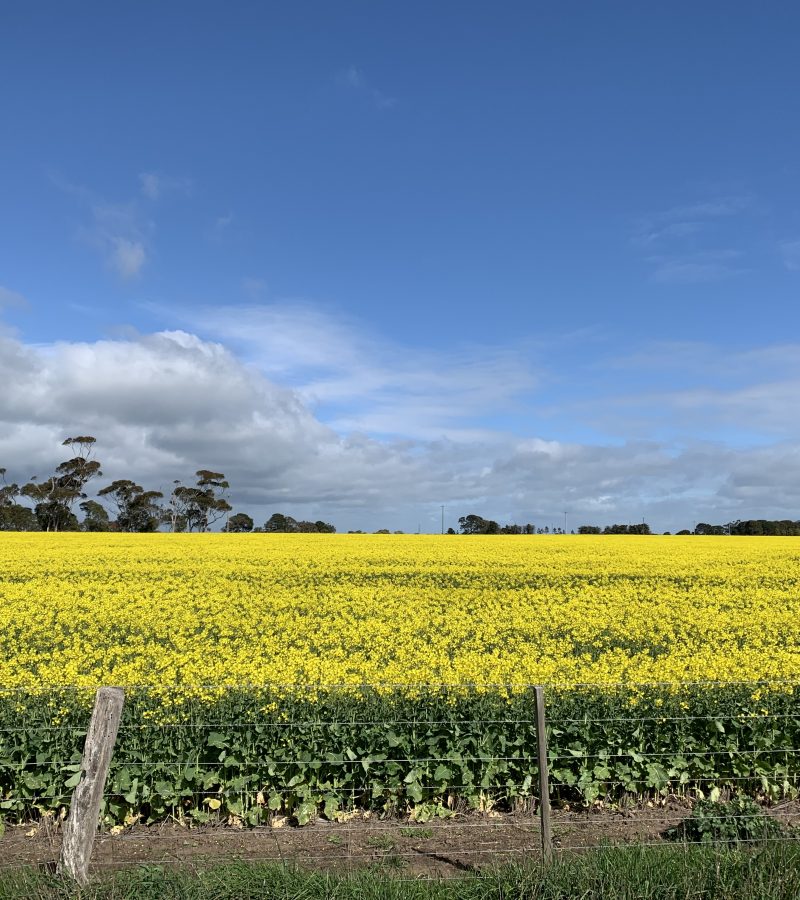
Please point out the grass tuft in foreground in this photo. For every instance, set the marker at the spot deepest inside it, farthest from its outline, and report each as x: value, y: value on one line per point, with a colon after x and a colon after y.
x: 770, y: 872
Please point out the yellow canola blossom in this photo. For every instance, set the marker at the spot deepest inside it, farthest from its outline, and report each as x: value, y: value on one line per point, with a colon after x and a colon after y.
x: 186, y: 612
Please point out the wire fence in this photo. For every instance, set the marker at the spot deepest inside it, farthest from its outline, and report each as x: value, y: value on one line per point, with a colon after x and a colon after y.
x: 426, y: 785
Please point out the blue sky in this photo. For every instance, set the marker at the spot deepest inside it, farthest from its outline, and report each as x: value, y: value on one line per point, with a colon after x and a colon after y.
x: 489, y: 228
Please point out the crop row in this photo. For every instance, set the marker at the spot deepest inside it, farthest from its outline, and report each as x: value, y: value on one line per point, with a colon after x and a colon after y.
x: 252, y: 754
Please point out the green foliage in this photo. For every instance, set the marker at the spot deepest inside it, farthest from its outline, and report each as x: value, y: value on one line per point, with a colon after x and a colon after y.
x: 740, y: 819
x: 17, y: 518
x: 239, y: 523
x: 252, y: 754
x: 137, y: 509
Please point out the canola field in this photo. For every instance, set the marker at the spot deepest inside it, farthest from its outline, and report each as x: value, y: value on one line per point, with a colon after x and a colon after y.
x: 311, y: 674
x: 192, y: 610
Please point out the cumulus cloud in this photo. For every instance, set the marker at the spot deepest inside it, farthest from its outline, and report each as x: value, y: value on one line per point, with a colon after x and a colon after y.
x: 164, y: 405
x: 367, y: 383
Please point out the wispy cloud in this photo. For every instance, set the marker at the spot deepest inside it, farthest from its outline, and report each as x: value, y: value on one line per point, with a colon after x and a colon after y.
x: 354, y: 79
x: 366, y: 383
x: 688, y: 219
x: 11, y: 299
x: 790, y: 251
x: 128, y: 257
x: 155, y: 184
x: 694, y: 268
x: 677, y: 240
x: 120, y: 231
x: 254, y: 288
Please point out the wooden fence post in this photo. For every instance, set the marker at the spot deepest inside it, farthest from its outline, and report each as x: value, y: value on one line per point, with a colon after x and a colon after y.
x: 81, y: 824
x: 544, y: 775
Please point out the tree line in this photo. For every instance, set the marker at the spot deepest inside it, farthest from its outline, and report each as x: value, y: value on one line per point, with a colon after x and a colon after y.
x: 124, y: 505
x: 473, y: 524
x: 752, y: 527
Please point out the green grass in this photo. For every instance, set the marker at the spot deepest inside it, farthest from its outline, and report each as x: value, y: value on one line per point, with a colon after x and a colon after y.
x: 672, y: 872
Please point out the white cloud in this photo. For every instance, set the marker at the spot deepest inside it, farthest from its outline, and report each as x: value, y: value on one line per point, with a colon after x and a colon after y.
x: 154, y: 184
x: 678, y: 234
x: 696, y: 268
x: 354, y: 79
x: 151, y: 185
x: 127, y: 256
x: 121, y: 232
x: 165, y: 404
x: 370, y: 384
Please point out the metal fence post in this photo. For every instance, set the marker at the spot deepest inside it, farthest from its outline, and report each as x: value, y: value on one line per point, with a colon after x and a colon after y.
x: 544, y: 775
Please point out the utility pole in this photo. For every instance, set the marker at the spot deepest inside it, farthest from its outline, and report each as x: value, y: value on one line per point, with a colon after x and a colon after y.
x: 565, y: 521
x: 443, y: 518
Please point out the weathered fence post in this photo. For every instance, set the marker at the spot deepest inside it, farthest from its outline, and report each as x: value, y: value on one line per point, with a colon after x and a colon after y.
x: 544, y: 775
x: 84, y: 809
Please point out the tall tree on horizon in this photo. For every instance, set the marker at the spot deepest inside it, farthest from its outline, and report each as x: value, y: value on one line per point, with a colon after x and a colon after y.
x: 55, y: 497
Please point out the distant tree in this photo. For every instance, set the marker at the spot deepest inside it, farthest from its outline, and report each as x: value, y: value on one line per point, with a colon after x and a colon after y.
x: 589, y: 529
x: 325, y: 527
x: 196, y: 508
x: 280, y: 524
x: 472, y: 524
x: 95, y: 517
x: 305, y: 527
x: 683, y: 531
x: 704, y: 528
x: 666, y: 533
x: 137, y: 509
x: 173, y: 513
x: 451, y: 531
x: 383, y: 531
x: 510, y: 529
x: 767, y: 527
x: 239, y: 522
x: 15, y: 517
x: 8, y: 492
x: 55, y: 496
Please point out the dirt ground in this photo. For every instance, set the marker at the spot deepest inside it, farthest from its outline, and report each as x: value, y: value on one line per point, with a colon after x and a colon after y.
x: 469, y: 842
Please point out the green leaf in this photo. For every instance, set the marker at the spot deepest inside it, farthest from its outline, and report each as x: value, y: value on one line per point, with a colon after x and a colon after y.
x: 215, y: 739
x: 305, y: 812
x: 73, y: 780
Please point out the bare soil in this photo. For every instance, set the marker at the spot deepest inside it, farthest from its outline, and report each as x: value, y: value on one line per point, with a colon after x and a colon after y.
x: 465, y: 843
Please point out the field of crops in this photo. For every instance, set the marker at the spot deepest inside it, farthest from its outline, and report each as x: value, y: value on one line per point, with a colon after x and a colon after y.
x: 278, y: 664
